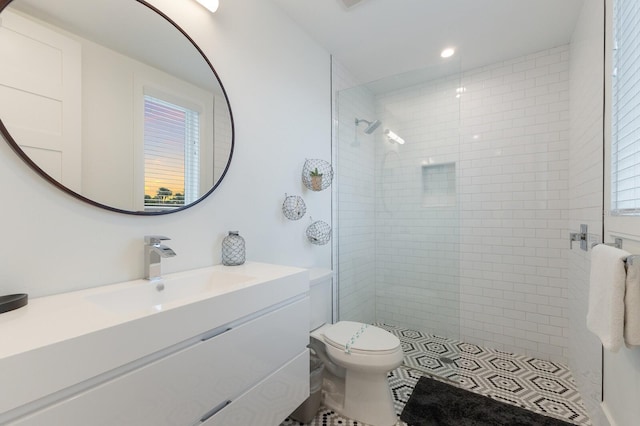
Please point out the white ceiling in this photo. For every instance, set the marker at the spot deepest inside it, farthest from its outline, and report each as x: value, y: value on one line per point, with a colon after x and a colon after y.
x: 380, y: 38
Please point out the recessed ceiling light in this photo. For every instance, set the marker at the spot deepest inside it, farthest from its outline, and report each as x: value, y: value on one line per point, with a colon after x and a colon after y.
x: 448, y: 52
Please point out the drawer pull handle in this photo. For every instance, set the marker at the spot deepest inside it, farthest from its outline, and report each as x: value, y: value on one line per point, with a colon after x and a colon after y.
x: 214, y: 333
x: 214, y: 410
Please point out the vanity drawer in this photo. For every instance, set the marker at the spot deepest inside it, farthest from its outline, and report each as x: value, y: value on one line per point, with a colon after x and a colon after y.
x: 181, y: 388
x: 270, y: 401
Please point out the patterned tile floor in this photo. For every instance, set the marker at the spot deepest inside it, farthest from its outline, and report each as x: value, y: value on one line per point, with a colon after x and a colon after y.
x: 541, y: 386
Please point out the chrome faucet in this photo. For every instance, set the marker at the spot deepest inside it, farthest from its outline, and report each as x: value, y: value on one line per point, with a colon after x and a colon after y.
x: 154, y: 251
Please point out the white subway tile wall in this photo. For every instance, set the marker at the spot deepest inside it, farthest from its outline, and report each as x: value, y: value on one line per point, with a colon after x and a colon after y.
x: 514, y: 205
x: 490, y: 269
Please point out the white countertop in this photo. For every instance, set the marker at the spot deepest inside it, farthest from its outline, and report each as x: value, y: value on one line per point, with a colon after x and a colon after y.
x: 51, y: 319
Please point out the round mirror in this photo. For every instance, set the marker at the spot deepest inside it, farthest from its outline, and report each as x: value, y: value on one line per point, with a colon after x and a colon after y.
x: 112, y: 102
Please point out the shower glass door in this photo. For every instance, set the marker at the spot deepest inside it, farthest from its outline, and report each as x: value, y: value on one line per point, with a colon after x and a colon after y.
x: 397, y: 239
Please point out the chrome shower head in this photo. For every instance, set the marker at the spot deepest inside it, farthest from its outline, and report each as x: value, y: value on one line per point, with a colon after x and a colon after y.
x: 372, y: 126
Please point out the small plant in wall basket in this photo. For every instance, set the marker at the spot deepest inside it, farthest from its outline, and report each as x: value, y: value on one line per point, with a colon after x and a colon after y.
x: 316, y: 179
x: 317, y: 174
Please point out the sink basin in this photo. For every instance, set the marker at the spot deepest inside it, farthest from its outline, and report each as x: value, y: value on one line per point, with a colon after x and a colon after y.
x: 153, y: 296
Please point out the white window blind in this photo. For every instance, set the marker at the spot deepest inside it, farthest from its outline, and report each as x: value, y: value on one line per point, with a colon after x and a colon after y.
x: 625, y: 148
x: 171, y: 154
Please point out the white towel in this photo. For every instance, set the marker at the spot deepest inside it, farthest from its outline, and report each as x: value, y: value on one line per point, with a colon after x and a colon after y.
x: 605, y: 316
x: 632, y: 305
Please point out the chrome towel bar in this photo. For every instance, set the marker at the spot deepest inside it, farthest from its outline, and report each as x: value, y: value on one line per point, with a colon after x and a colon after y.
x: 617, y: 243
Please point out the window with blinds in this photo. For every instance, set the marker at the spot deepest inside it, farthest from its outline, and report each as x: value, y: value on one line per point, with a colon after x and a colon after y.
x: 171, y: 155
x: 625, y: 147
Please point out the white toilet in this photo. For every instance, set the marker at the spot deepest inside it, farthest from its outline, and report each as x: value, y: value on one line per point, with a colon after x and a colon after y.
x: 357, y: 358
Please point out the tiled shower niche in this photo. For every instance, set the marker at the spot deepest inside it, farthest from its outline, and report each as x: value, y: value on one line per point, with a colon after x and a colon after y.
x: 439, y: 185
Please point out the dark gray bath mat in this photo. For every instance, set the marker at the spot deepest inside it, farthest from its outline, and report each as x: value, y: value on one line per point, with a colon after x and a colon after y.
x: 434, y: 403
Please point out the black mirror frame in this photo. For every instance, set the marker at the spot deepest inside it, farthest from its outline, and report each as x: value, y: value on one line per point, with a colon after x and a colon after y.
x: 16, y: 148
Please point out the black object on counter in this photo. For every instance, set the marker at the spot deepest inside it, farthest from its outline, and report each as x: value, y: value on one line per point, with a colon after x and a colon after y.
x: 13, y: 301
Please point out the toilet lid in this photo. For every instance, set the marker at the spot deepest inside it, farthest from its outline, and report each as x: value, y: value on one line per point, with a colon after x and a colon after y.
x: 361, y: 338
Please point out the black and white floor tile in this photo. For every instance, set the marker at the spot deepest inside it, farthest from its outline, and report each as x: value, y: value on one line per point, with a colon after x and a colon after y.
x: 542, y: 386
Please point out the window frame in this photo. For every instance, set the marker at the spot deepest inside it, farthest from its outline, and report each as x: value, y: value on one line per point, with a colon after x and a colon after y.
x: 191, y: 153
x: 616, y: 225
x: 630, y: 147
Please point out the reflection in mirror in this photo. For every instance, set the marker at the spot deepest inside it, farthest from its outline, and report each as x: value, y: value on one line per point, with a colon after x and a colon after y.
x: 112, y: 102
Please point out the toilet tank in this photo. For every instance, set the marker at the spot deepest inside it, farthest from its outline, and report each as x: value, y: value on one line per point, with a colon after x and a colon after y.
x: 321, y: 295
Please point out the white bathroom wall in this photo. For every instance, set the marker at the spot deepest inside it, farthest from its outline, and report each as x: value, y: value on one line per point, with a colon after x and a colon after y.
x: 278, y: 82
x: 585, y: 195
x: 354, y: 194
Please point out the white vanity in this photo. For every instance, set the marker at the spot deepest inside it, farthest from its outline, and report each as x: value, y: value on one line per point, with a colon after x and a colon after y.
x: 217, y: 346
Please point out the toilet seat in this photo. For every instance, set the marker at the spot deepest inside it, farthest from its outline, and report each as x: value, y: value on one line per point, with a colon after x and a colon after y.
x: 359, y: 338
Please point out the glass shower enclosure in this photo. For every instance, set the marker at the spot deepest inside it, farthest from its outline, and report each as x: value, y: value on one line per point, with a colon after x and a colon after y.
x: 397, y: 241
